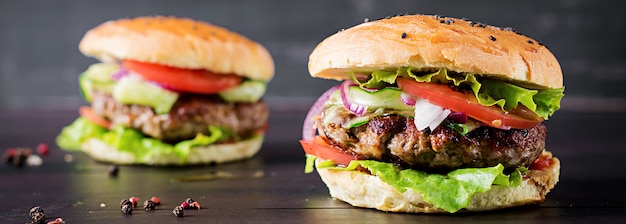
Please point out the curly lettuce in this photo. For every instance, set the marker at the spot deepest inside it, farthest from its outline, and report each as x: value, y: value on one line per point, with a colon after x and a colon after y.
x: 132, y: 141
x: 543, y: 102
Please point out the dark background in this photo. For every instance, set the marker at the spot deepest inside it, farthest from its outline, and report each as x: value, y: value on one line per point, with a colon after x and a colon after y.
x: 40, y: 61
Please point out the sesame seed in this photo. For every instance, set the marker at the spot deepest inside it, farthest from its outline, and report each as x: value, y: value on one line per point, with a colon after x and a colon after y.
x: 472, y: 23
x: 492, y: 38
x: 403, y: 35
x: 436, y: 17
x: 442, y: 21
x: 366, y: 20
x: 530, y: 42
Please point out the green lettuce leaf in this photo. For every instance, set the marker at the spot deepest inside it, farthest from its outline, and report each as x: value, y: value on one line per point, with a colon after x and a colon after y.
x: 488, y: 92
x: 450, y: 192
x: 74, y: 135
x: 132, y: 141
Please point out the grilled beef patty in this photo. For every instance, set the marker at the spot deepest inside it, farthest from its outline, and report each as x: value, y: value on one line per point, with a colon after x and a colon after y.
x: 395, y: 139
x: 190, y: 115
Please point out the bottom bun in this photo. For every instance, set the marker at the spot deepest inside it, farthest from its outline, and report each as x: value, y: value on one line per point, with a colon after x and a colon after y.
x: 210, y: 154
x: 365, y: 190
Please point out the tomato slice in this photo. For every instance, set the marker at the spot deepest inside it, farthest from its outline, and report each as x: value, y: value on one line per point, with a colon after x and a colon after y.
x: 185, y: 80
x: 442, y: 95
x: 318, y: 147
x: 91, y: 116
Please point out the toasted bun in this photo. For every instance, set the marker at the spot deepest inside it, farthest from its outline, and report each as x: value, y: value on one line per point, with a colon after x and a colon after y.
x: 178, y: 42
x: 365, y: 190
x: 211, y: 154
x: 427, y: 42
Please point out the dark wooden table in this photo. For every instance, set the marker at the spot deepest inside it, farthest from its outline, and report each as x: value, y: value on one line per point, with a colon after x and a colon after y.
x: 272, y: 187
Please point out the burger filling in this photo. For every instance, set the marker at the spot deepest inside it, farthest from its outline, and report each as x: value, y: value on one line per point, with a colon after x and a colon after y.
x: 148, y: 109
x: 190, y: 115
x: 395, y: 139
x: 445, y: 135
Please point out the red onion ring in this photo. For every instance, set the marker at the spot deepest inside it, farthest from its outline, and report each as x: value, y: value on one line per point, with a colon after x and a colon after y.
x: 458, y: 117
x: 120, y: 73
x: 308, y: 128
x: 347, y: 99
x: 408, y: 99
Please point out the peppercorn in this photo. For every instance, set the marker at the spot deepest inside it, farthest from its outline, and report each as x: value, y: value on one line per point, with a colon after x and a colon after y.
x: 126, y: 206
x: 148, y: 205
x: 43, y: 149
x: 37, y: 214
x: 157, y: 201
x: 113, y: 170
x: 127, y: 209
x: 178, y: 211
x: 57, y: 221
x: 133, y: 201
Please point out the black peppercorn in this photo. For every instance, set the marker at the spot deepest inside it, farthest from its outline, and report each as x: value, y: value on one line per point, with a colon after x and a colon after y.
x: 178, y: 211
x: 126, y: 206
x: 37, y: 214
x: 148, y: 205
x: 113, y: 170
x: 127, y: 209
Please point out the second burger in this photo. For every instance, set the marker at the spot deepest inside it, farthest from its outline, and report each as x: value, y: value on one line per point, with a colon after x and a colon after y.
x: 170, y: 91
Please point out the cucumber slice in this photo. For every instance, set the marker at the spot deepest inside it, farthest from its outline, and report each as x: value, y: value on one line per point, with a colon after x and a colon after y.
x: 130, y: 90
x: 101, y: 72
x: 248, y: 91
x: 386, y: 98
x: 97, y: 77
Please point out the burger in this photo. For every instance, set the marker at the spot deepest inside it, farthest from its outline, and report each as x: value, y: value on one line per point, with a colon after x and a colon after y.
x: 433, y: 115
x: 170, y: 91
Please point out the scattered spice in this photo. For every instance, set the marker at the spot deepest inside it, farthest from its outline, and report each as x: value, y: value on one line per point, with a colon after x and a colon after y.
x: 133, y: 200
x: 189, y: 204
x: 126, y: 207
x: 530, y: 42
x: 113, y: 170
x: 403, y: 35
x: 57, y: 221
x: 157, y: 201
x: 43, y: 149
x: 37, y: 214
x: 148, y: 205
x: 16, y: 156
x: 492, y: 38
x: 178, y: 211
